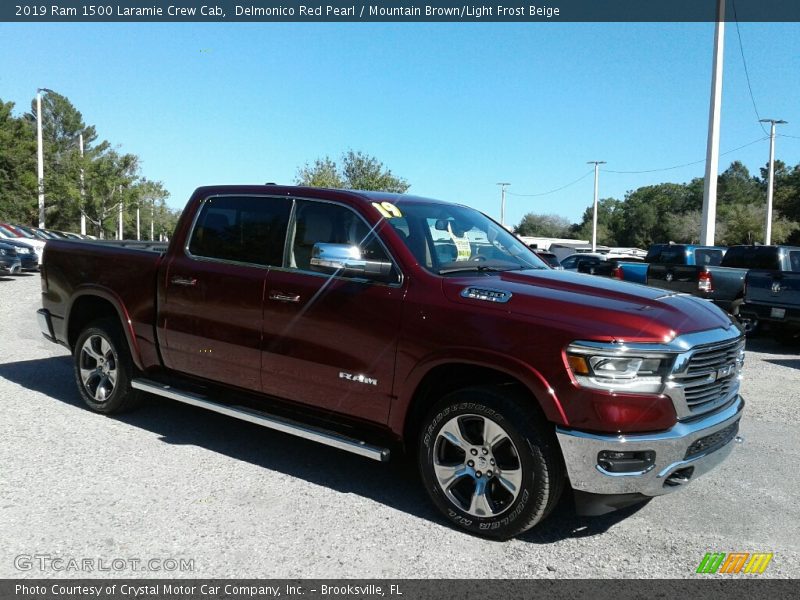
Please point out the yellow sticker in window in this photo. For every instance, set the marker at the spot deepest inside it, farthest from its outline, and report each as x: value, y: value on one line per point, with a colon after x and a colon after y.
x: 463, y: 248
x: 387, y: 210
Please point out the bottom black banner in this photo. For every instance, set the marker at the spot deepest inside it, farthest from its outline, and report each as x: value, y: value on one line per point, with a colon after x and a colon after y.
x: 400, y: 589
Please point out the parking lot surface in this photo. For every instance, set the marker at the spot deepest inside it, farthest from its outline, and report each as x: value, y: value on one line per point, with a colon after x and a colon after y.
x: 175, y: 482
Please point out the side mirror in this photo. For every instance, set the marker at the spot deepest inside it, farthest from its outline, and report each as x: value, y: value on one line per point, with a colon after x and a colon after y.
x: 344, y: 259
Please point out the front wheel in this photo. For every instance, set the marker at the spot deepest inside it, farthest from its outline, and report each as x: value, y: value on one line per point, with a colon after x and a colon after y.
x: 489, y: 463
x: 103, y: 368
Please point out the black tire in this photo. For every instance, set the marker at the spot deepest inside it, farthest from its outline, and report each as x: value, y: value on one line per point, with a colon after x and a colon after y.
x: 528, y: 454
x: 103, y: 368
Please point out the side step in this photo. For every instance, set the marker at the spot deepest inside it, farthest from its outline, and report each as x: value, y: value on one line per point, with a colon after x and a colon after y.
x: 329, y: 438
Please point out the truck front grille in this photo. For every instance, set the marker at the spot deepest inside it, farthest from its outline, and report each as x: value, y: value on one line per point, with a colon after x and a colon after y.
x: 710, y: 379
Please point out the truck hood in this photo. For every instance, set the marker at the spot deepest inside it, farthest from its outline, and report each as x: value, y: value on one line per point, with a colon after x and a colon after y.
x: 593, y: 307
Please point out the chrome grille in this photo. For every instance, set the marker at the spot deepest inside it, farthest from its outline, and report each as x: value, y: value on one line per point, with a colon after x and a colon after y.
x: 708, y: 378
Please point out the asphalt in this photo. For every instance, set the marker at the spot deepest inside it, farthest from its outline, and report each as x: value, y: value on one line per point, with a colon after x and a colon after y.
x: 229, y: 499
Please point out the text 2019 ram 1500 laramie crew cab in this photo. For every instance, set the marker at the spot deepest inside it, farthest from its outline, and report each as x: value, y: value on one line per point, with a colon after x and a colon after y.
x: 371, y: 321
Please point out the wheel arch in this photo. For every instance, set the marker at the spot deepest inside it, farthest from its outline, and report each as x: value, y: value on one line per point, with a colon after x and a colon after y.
x: 435, y: 378
x: 92, y: 303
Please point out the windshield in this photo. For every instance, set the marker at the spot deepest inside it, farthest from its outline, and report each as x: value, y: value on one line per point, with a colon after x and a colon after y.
x: 446, y: 238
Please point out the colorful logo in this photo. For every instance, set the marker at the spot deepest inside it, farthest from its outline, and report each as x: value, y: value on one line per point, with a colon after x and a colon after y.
x: 734, y: 562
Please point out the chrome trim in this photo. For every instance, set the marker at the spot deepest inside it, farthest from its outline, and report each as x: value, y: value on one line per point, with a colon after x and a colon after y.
x: 580, y: 450
x: 328, y: 438
x: 486, y: 294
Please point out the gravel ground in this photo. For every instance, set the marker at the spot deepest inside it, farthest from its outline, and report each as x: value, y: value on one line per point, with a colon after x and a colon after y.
x: 172, y: 481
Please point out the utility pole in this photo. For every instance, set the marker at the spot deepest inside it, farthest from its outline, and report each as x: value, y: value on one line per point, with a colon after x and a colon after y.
x: 119, y: 232
x: 152, y: 218
x: 596, y: 164
x: 708, y: 226
x: 83, y: 189
x: 138, y: 230
x: 771, y: 182
x: 503, y: 203
x: 40, y: 155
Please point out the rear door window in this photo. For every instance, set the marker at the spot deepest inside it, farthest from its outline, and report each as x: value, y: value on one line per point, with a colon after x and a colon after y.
x: 245, y: 229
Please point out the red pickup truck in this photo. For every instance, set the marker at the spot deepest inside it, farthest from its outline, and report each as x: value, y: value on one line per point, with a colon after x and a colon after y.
x: 377, y: 322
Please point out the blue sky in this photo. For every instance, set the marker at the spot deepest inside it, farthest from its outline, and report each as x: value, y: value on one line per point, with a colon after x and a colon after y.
x: 454, y: 108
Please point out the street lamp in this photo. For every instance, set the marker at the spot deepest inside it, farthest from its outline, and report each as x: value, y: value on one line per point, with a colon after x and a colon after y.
x: 768, y: 229
x: 39, y: 153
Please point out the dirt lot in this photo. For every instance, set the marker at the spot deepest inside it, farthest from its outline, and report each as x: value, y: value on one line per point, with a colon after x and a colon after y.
x: 234, y: 500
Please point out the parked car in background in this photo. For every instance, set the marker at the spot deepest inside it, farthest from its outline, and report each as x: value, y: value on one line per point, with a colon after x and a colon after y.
x: 18, y: 234
x: 670, y: 262
x: 773, y: 296
x: 721, y: 282
x: 9, y: 261
x: 587, y: 262
x: 606, y: 268
x: 27, y: 254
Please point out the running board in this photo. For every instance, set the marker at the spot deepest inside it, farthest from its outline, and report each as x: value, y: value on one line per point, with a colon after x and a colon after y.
x: 328, y: 438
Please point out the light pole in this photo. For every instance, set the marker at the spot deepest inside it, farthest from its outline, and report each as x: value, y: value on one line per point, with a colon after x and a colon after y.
x: 40, y: 154
x: 596, y: 164
x: 503, y: 203
x: 83, y: 190
x: 771, y: 182
x: 708, y: 226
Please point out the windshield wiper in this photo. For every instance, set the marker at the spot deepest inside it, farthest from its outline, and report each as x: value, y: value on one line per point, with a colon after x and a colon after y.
x: 479, y: 268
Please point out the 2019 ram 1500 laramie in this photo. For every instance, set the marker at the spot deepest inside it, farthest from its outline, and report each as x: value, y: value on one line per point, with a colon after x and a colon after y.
x: 370, y: 321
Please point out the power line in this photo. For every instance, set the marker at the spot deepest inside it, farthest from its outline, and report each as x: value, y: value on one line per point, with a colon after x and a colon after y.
x: 796, y: 137
x: 696, y: 162
x: 746, y: 72
x: 563, y: 187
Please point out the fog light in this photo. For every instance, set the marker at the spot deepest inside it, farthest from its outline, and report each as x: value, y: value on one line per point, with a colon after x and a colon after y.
x: 626, y: 462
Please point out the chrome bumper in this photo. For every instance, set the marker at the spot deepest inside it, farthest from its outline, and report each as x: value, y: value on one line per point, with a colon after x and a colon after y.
x: 580, y: 450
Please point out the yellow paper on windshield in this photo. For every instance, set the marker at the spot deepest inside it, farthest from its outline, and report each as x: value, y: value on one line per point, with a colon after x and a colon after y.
x: 464, y: 250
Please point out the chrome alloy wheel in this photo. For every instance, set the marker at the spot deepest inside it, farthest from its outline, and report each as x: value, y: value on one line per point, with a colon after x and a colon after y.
x: 477, y: 465
x: 98, y: 366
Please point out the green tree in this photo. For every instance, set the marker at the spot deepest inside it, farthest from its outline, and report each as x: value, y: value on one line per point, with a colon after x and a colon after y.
x: 358, y: 171
x: 17, y: 167
x: 609, y: 215
x: 62, y: 126
x: 543, y: 225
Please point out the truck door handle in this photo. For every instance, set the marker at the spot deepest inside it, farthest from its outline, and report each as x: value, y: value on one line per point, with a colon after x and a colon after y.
x: 281, y: 297
x: 185, y: 281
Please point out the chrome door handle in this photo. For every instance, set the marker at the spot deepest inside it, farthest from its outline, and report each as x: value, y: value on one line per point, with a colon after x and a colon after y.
x: 185, y: 281
x: 281, y: 297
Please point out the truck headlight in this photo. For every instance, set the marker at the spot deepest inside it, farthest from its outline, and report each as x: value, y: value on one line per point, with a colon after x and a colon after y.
x: 613, y: 367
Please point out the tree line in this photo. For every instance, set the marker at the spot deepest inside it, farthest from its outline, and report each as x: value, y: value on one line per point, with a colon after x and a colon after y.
x: 673, y: 212
x: 95, y: 183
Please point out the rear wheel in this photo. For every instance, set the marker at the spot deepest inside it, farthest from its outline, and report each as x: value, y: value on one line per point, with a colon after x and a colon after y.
x: 103, y: 368
x: 490, y: 464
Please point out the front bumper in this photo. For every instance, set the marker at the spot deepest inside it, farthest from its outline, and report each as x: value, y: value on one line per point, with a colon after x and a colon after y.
x: 683, y: 453
x: 10, y: 264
